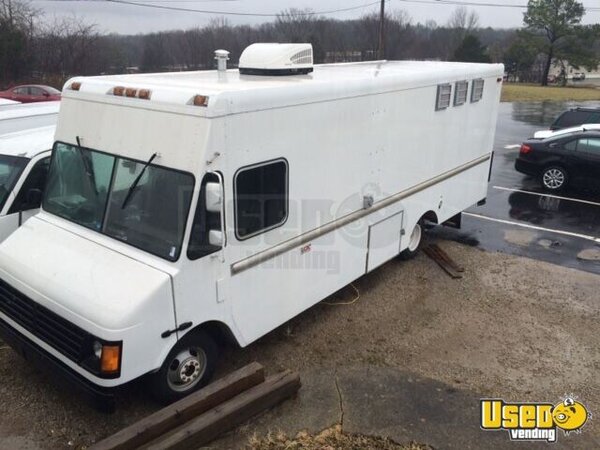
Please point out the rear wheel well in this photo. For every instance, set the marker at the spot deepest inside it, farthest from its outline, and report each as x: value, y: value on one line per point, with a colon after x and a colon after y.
x: 430, y: 216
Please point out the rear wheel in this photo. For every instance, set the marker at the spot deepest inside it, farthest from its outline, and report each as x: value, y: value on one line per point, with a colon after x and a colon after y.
x: 414, y: 242
x: 189, y: 366
x: 554, y: 178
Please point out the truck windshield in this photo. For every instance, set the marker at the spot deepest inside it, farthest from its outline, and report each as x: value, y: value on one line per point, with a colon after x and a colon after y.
x: 11, y: 168
x: 89, y: 188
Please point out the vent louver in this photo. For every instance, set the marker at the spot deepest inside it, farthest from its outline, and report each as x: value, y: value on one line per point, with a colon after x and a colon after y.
x: 303, y: 57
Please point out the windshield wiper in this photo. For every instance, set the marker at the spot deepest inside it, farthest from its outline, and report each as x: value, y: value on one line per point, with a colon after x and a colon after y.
x: 136, y: 181
x: 86, y: 166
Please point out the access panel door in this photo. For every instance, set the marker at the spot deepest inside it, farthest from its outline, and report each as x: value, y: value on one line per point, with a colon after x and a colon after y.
x: 384, y: 240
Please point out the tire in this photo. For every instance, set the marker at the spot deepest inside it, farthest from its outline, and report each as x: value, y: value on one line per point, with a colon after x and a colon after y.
x: 189, y: 366
x: 554, y: 178
x: 414, y: 242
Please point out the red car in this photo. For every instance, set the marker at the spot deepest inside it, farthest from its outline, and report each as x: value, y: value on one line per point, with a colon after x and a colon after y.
x: 31, y: 93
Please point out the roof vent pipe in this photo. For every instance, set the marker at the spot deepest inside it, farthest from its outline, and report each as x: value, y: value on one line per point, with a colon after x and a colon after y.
x: 222, y: 56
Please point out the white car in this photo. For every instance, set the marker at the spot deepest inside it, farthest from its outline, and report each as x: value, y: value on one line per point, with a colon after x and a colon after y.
x: 545, y: 134
x: 5, y: 101
x: 24, y: 162
x: 23, y: 116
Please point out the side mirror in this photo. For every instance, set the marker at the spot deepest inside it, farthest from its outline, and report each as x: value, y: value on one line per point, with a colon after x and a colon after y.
x: 215, y: 237
x: 46, y: 94
x: 214, y: 197
x: 34, y: 198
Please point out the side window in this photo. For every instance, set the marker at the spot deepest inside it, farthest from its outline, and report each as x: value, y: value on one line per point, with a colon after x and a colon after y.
x: 589, y: 146
x: 444, y: 94
x: 205, y: 220
x: 594, y: 118
x: 572, y: 145
x: 477, y: 90
x: 36, y: 91
x: 261, y: 198
x: 573, y: 118
x: 21, y: 91
x: 35, y: 180
x: 460, y: 93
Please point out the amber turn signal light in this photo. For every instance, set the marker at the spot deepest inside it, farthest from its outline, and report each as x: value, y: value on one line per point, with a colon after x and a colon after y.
x: 200, y: 100
x: 110, y: 361
x: 144, y: 94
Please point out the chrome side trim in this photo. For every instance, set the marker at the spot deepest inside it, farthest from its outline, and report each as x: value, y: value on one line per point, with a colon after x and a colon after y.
x: 302, y: 239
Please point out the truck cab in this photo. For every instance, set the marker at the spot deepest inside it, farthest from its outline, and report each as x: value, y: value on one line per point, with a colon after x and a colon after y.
x: 24, y: 163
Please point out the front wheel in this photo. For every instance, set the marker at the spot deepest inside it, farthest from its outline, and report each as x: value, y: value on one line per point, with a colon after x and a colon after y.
x: 189, y: 366
x: 554, y: 178
x: 414, y: 243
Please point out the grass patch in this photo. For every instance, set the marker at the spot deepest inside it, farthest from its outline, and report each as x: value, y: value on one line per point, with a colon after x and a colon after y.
x: 512, y: 92
x: 330, y: 439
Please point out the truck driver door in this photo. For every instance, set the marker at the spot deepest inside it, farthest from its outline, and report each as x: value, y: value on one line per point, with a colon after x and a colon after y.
x: 201, y: 285
x: 25, y: 201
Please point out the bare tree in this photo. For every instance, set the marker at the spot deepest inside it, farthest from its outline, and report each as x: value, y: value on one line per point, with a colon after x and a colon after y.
x: 463, y: 19
x: 17, y: 19
x: 462, y: 23
x: 67, y: 46
x: 19, y: 14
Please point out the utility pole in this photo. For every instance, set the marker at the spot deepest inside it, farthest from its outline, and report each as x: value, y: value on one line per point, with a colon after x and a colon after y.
x: 381, y: 45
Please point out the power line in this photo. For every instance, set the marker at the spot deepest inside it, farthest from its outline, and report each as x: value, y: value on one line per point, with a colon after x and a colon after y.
x: 155, y: 4
x: 229, y: 13
x: 471, y: 3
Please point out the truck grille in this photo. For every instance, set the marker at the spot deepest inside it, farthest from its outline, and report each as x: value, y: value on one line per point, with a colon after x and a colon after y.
x: 61, y: 334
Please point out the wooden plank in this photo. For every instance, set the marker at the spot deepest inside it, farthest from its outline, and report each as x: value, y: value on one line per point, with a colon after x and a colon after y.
x: 185, y: 409
x: 433, y: 254
x: 211, y: 424
x: 442, y: 253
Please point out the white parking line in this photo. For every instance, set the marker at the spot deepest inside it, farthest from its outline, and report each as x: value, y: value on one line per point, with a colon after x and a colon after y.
x: 533, y: 227
x: 547, y: 195
x: 510, y: 147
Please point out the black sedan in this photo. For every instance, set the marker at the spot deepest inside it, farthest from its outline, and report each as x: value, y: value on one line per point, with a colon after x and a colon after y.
x: 572, y: 159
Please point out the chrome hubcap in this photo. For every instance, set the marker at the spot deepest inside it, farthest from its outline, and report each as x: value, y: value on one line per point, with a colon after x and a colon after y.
x: 415, y: 238
x: 553, y: 178
x: 186, y: 369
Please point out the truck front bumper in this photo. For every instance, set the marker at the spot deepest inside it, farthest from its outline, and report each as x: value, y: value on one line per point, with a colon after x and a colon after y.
x: 101, y: 398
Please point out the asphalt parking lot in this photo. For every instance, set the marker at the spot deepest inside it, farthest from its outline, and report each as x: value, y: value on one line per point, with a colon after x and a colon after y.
x: 519, y: 217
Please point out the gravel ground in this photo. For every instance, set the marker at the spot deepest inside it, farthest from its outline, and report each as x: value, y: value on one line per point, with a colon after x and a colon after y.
x: 513, y: 328
x: 330, y: 439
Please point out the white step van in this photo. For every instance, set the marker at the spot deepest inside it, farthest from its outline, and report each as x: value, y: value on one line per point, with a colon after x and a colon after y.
x: 181, y: 207
x: 24, y: 162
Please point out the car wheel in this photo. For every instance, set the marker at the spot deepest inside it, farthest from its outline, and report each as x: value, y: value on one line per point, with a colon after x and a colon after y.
x: 554, y: 178
x: 189, y: 366
x: 414, y: 242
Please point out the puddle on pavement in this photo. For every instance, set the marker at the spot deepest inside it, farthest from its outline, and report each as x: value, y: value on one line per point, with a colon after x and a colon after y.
x: 519, y: 237
x: 589, y: 254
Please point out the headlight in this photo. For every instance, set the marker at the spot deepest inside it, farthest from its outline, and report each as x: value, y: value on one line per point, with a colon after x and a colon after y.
x: 98, y: 349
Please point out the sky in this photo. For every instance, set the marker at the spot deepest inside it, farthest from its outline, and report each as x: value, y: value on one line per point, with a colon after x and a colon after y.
x: 129, y: 19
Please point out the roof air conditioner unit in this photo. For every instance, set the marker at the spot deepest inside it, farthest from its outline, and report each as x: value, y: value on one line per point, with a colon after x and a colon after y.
x: 277, y: 59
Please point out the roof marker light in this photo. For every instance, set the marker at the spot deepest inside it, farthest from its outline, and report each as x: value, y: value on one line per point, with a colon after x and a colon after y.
x: 131, y: 92
x: 118, y: 90
x: 200, y: 100
x: 144, y: 94
x: 75, y: 86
